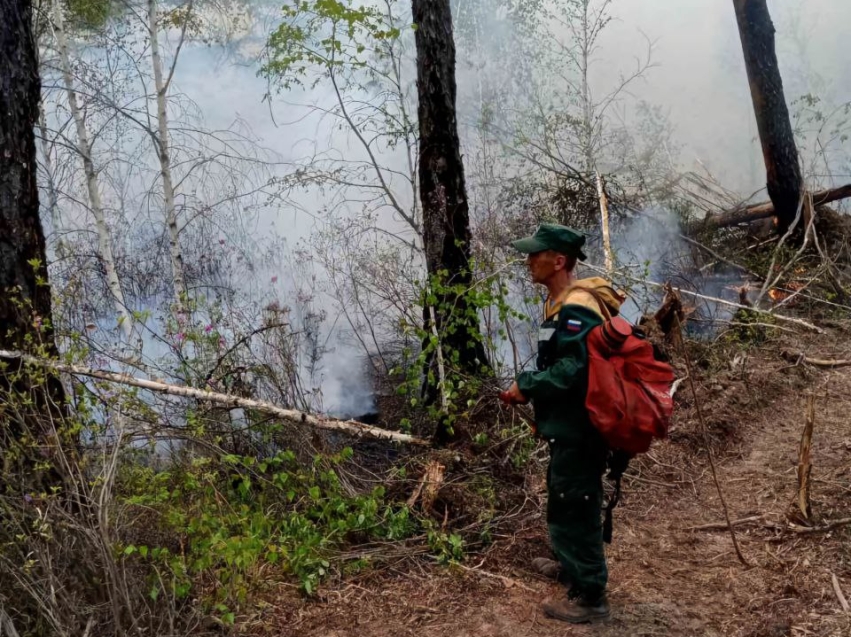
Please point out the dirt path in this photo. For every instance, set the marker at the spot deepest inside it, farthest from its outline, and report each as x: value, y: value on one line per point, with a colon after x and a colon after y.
x: 664, y: 579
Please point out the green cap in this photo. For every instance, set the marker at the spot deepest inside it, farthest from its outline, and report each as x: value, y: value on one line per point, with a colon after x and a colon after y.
x: 550, y: 236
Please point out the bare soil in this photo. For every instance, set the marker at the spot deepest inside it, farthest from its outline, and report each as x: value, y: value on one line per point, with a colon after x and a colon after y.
x: 666, y: 578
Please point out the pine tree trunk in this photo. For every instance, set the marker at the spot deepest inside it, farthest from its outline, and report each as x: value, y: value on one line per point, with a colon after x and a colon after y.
x: 84, y: 149
x: 25, y: 306
x: 783, y: 171
x: 446, y: 217
x: 177, y: 270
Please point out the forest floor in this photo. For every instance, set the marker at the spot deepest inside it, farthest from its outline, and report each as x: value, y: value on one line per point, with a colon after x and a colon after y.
x: 666, y: 578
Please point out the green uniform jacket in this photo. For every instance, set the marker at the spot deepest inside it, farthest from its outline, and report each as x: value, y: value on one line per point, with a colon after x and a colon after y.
x: 557, y: 390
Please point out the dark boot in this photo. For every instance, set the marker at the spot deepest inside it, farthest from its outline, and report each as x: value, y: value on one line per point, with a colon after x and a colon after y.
x: 546, y: 567
x: 578, y: 610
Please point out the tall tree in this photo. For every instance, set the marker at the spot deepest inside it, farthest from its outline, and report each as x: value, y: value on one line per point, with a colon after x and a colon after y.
x: 783, y: 171
x: 25, y: 308
x: 445, y: 209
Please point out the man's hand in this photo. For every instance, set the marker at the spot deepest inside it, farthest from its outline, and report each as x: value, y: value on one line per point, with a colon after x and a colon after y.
x: 513, y: 396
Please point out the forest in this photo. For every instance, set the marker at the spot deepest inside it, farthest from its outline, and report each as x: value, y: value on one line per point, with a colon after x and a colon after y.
x: 259, y: 301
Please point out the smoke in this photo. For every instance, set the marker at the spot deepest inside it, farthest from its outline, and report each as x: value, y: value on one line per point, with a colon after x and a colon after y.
x: 698, y: 80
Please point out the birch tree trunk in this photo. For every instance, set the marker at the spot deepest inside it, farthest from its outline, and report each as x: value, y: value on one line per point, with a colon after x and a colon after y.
x: 177, y: 270
x: 84, y: 148
x: 52, y: 196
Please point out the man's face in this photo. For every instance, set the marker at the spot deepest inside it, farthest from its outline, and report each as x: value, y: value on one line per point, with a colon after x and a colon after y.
x: 544, y: 265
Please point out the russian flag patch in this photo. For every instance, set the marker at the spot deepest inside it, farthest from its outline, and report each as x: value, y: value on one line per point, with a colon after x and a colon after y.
x: 574, y: 326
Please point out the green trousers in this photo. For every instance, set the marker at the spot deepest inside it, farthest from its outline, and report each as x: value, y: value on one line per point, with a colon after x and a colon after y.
x: 574, y: 517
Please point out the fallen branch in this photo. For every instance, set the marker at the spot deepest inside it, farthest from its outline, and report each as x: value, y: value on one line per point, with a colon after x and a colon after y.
x: 838, y: 590
x: 764, y: 210
x: 507, y: 581
x: 350, y: 427
x: 815, y: 362
x: 723, y: 526
x: 830, y: 526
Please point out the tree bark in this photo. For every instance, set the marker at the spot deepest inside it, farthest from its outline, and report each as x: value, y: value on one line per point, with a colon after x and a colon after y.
x: 30, y: 404
x: 446, y: 215
x: 177, y: 269
x: 783, y: 171
x: 84, y: 149
x: 445, y: 209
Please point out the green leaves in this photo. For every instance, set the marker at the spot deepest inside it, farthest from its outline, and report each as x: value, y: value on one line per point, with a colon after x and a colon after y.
x: 237, y: 513
x: 318, y: 37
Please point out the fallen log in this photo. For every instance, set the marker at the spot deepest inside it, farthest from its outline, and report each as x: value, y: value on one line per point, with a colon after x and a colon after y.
x: 764, y: 210
x: 350, y: 427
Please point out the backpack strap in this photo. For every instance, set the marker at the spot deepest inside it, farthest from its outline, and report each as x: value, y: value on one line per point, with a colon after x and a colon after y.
x: 618, y: 462
x: 604, y: 309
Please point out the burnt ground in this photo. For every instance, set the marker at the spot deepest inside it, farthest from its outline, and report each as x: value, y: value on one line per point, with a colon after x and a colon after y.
x: 666, y: 578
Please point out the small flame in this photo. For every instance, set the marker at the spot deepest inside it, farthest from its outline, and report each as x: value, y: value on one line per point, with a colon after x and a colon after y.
x: 777, y: 295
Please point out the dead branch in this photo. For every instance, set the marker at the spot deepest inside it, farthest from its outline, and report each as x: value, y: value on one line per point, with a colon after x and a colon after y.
x: 720, y: 258
x: 838, y: 590
x: 723, y: 526
x: 710, y: 455
x: 764, y: 210
x: 805, y: 467
x: 815, y: 362
x: 656, y: 284
x: 830, y: 526
x: 349, y: 427
x: 507, y: 581
x: 7, y: 628
x: 604, y: 217
x: 429, y: 485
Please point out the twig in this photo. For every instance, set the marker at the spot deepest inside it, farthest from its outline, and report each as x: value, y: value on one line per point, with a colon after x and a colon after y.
x: 709, y: 453
x: 505, y: 580
x: 838, y: 590
x: 717, y: 256
x: 89, y: 625
x: 441, y: 370
x: 350, y: 427
x: 723, y: 526
x: 7, y: 628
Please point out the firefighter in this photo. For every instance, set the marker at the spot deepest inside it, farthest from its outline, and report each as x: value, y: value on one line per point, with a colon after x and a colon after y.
x: 557, y: 392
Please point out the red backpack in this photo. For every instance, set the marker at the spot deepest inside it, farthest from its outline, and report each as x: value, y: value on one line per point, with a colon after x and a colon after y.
x: 629, y: 396
x: 629, y: 390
